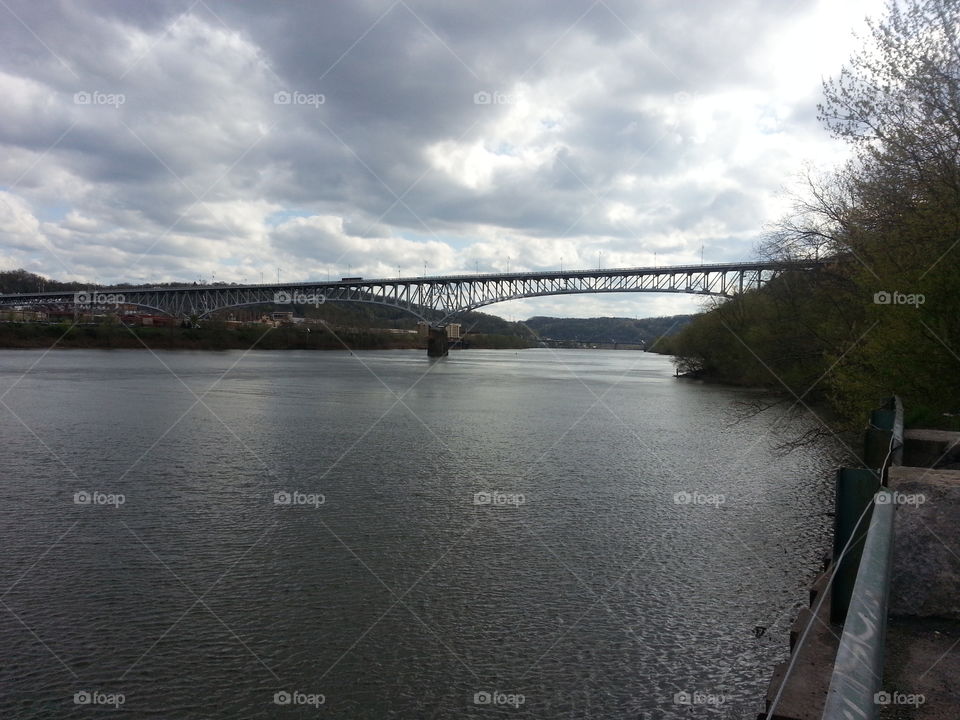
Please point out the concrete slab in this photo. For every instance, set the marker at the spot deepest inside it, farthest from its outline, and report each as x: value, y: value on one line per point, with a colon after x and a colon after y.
x: 926, y: 557
x: 922, y: 658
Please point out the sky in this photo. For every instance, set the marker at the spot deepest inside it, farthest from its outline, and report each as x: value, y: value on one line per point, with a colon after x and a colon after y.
x: 240, y: 141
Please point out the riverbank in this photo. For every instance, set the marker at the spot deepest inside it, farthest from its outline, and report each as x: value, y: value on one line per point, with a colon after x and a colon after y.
x: 217, y: 337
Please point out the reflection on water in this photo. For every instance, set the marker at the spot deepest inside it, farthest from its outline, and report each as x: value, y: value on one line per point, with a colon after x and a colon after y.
x: 535, y: 534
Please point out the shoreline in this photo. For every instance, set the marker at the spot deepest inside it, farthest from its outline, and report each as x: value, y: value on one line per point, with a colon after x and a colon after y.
x: 117, y: 337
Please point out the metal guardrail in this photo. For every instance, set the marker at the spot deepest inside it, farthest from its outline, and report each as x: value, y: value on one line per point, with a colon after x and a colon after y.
x: 858, y: 581
x: 858, y: 668
x: 883, y: 444
x: 862, y: 581
x: 883, y: 447
x: 795, y: 652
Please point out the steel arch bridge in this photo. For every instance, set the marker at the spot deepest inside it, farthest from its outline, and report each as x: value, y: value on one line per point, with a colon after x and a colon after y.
x: 441, y: 296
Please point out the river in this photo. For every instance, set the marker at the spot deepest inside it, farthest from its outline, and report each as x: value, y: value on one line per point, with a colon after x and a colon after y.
x: 533, y: 534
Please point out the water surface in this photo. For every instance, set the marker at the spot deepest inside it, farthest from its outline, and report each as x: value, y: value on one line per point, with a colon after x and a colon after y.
x: 645, y: 535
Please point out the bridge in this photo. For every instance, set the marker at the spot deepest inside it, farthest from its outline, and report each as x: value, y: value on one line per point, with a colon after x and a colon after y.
x: 433, y: 299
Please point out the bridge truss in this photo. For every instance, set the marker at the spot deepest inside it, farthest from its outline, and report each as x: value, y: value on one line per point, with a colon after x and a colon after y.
x: 434, y: 299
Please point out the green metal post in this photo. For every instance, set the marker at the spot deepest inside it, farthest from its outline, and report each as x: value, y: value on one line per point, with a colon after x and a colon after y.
x: 855, y: 491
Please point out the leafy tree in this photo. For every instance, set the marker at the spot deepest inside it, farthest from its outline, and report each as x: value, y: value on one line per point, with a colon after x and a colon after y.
x: 885, y: 318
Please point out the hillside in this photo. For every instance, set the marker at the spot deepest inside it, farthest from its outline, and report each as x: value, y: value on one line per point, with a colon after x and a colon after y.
x: 607, y: 329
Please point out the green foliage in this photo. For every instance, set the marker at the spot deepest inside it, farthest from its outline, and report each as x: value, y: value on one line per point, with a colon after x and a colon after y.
x: 891, y: 219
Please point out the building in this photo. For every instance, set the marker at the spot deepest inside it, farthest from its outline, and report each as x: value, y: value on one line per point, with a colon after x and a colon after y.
x: 23, y: 316
x: 141, y: 320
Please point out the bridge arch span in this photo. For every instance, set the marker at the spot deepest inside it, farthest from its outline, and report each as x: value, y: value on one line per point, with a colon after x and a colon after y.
x: 494, y: 301
x: 442, y: 296
x: 326, y: 300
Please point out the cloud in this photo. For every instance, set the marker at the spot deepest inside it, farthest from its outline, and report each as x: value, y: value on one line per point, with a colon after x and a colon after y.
x: 174, y: 142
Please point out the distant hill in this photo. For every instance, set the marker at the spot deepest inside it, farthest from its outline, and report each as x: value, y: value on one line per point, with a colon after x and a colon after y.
x: 607, y: 329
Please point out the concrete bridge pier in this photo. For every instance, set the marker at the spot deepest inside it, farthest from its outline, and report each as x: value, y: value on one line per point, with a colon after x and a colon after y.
x: 437, y: 344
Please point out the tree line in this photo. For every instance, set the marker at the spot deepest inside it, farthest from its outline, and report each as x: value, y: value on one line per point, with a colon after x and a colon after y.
x: 883, y: 316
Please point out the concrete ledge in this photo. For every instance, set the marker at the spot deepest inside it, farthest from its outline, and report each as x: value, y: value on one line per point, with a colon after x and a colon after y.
x: 926, y: 555
x: 804, y: 617
x: 926, y: 448
x: 806, y: 688
x: 819, y: 586
x: 922, y: 660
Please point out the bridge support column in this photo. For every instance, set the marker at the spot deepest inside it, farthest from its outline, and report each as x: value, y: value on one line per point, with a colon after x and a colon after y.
x: 437, y: 345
